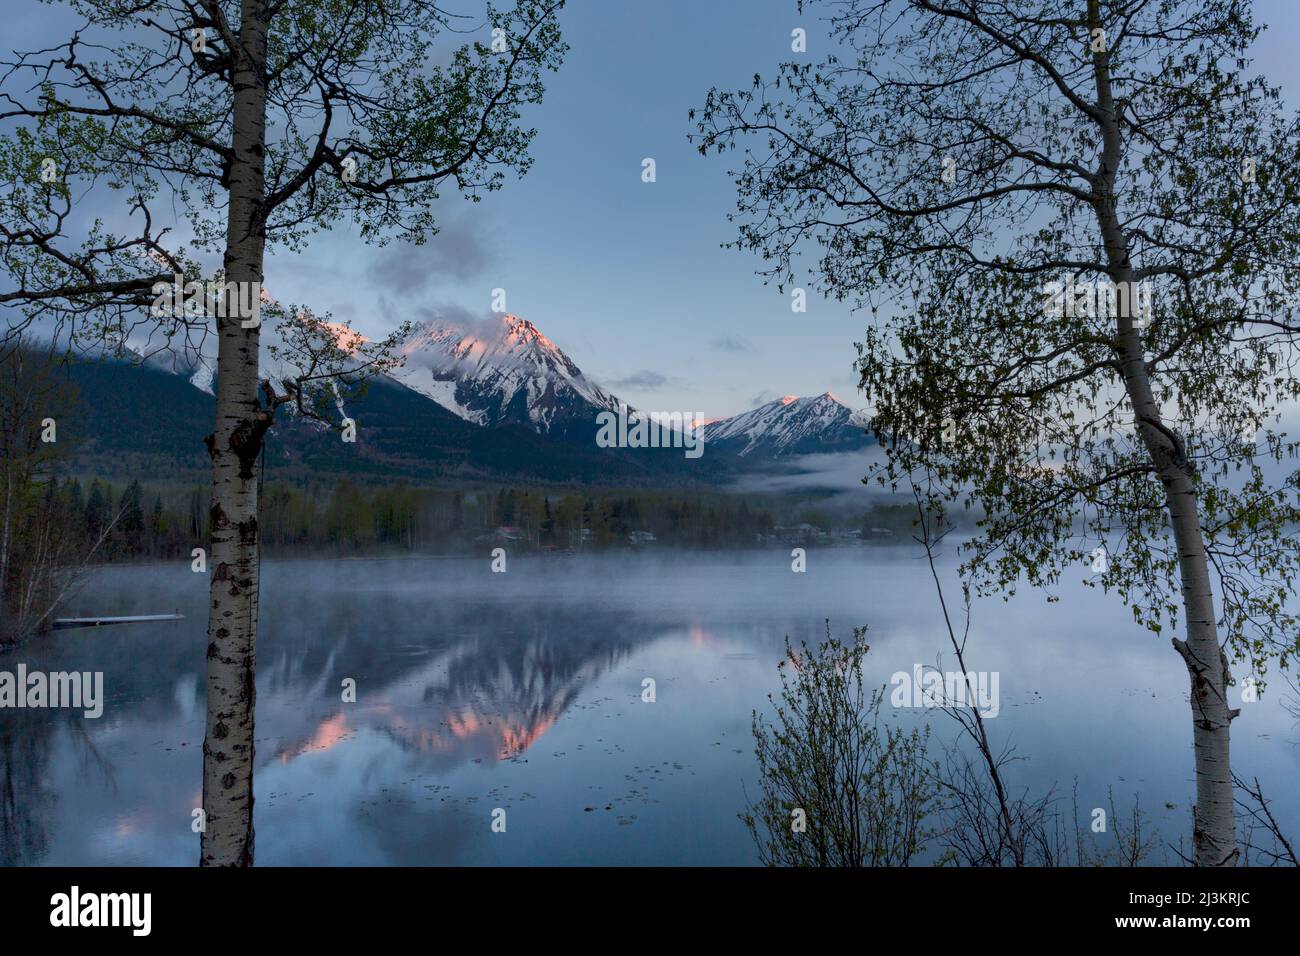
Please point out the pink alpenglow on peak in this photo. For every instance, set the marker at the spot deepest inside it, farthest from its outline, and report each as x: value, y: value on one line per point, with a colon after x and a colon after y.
x: 501, y: 371
x: 791, y: 425
x: 524, y: 331
x: 346, y: 338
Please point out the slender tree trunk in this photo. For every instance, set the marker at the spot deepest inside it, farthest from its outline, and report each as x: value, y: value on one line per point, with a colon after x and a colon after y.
x: 4, y: 546
x: 227, y: 839
x: 1214, y: 839
x: 13, y: 432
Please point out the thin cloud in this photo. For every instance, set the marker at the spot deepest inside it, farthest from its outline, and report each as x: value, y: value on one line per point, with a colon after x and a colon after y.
x: 645, y: 379
x: 731, y: 343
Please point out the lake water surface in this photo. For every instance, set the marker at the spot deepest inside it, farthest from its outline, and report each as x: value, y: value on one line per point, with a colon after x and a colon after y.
x: 523, y: 691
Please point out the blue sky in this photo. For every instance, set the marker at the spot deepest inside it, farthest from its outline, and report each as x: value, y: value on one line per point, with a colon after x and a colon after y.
x: 627, y: 277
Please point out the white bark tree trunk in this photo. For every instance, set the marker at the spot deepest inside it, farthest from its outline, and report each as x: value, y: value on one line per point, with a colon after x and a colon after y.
x: 1214, y: 840
x: 227, y: 839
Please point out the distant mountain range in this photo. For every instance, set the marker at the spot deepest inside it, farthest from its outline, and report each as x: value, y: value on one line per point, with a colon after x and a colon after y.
x: 499, y: 401
x: 510, y: 373
x: 789, y: 426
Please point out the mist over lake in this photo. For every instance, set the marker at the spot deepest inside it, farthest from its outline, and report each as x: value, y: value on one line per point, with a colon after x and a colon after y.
x: 524, y: 691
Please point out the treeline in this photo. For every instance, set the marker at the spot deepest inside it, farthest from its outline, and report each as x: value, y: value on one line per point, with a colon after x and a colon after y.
x: 50, y: 526
x: 349, y: 517
x: 130, y: 522
x: 140, y: 523
x: 38, y: 549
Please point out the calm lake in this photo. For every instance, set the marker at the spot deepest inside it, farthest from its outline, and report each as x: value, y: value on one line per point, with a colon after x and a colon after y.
x: 523, y: 691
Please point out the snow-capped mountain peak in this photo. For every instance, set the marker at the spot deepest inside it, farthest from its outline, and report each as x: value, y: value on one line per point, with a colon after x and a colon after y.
x: 791, y: 425
x: 501, y: 371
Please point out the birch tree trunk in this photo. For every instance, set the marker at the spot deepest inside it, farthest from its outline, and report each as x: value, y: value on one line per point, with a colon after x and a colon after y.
x: 228, y: 744
x: 1214, y: 830
x: 4, y: 543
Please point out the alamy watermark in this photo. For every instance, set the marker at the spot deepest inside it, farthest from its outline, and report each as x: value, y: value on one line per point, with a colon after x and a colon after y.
x: 73, y: 689
x: 934, y: 688
x: 1101, y: 299
x: 130, y: 910
x: 235, y: 300
x: 633, y: 429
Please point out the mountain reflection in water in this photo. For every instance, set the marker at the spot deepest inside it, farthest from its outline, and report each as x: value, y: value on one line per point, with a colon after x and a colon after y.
x: 523, y: 691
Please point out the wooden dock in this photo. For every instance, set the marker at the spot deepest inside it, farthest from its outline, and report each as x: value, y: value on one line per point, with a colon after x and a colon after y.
x: 62, y: 622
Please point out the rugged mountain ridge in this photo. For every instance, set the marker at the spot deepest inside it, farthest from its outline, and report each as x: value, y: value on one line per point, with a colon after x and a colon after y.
x: 503, y: 372
x: 495, y: 401
x: 790, y: 426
